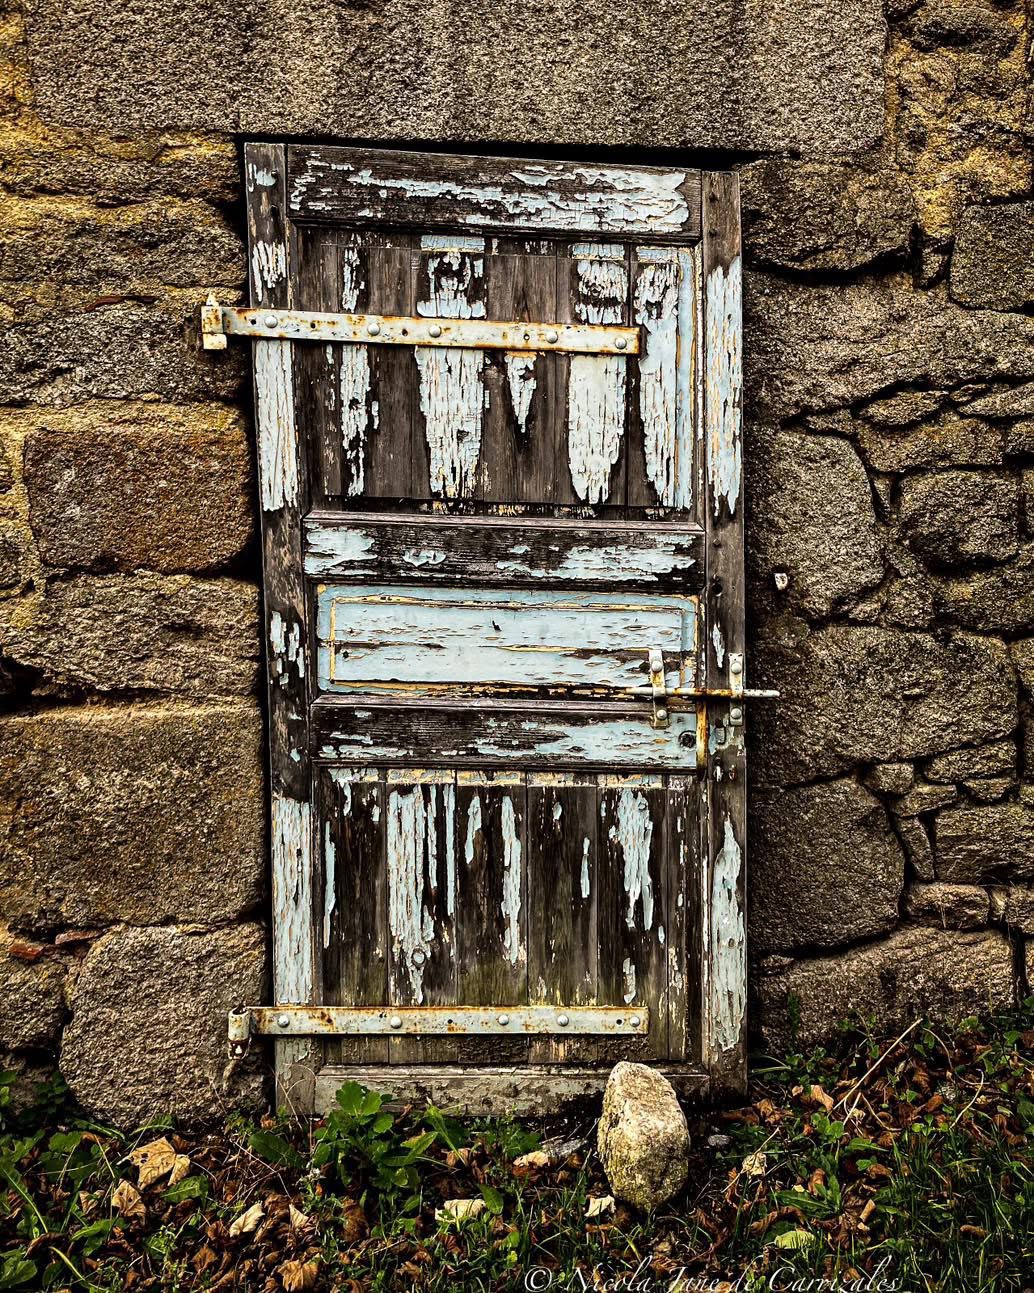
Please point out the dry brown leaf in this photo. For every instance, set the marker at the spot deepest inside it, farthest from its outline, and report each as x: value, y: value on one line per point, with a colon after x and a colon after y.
x: 459, y: 1209
x: 755, y: 1164
x: 819, y: 1095
x: 299, y: 1220
x: 599, y: 1207
x: 180, y: 1169
x: 297, y: 1276
x: 527, y: 1162
x: 354, y: 1225
x: 152, y: 1161
x: 247, y: 1221
x: 126, y: 1200
x: 458, y: 1157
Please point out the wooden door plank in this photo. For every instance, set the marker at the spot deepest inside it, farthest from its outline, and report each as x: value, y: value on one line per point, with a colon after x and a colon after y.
x: 520, y: 459
x: 421, y: 879
x: 521, y: 196
x: 492, y: 933
x: 396, y: 453
x: 683, y: 934
x: 354, y: 919
x: 593, y: 288
x: 632, y: 929
x: 451, y: 285
x: 563, y: 822
x: 724, y: 635
x: 283, y: 493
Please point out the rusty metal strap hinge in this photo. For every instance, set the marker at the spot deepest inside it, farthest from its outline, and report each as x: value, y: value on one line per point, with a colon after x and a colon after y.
x: 220, y: 321
x: 432, y: 1021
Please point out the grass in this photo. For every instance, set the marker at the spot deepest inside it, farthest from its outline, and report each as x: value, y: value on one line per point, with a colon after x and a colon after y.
x: 904, y: 1160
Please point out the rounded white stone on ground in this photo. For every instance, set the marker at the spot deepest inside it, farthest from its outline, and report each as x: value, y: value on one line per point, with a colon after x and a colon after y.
x: 643, y: 1138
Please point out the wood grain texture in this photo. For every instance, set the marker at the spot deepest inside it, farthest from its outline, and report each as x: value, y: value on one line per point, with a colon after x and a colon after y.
x: 500, y: 194
x: 724, y: 638
x: 283, y: 493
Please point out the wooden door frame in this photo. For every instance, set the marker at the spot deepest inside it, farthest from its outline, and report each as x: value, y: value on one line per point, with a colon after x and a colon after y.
x: 297, y: 964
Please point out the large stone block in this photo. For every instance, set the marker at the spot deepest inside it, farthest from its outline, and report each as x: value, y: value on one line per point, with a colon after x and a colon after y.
x: 148, y: 1032
x: 981, y: 761
x: 862, y: 694
x: 125, y: 249
x: 813, y: 519
x: 145, y: 632
x: 958, y: 518
x: 132, y: 814
x: 826, y: 867
x: 951, y: 906
x: 817, y: 347
x: 702, y: 73
x: 63, y: 353
x: 947, y: 441
x: 139, y: 485
x: 824, y: 215
x: 1023, y: 659
x: 992, y: 266
x: 989, y: 601
x: 985, y: 844
x: 32, y: 1003
x: 940, y: 974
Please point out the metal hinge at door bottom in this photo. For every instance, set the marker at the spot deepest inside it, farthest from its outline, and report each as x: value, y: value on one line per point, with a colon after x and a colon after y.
x: 434, y: 1021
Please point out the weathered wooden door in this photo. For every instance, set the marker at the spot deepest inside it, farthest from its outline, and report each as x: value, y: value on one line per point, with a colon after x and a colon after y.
x: 498, y: 418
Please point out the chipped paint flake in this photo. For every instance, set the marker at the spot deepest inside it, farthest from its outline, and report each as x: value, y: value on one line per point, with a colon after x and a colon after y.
x: 718, y: 642
x: 292, y: 900
x: 411, y: 925
x: 268, y: 267
x: 729, y: 985
x: 330, y: 874
x: 520, y: 378
x: 473, y: 829
x: 510, y: 906
x: 724, y: 381
x: 596, y: 385
x: 628, y: 977
x: 274, y: 416
x: 357, y: 416
x: 634, y: 832
x: 585, y: 867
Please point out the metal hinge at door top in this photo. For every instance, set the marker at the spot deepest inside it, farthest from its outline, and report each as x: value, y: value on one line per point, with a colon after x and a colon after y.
x: 735, y: 692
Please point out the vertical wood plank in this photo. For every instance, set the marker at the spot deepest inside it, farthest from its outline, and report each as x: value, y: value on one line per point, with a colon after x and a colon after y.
x: 595, y: 290
x: 283, y: 491
x: 421, y: 880
x: 663, y: 418
x: 491, y: 824
x: 632, y: 915
x: 522, y: 452
x: 354, y: 917
x: 683, y: 933
x: 563, y: 823
x: 396, y: 461
x: 725, y: 1026
x: 450, y: 285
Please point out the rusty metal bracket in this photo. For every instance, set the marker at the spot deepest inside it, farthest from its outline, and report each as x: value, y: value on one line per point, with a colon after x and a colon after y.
x: 658, y: 689
x: 501, y: 1021
x: 220, y: 321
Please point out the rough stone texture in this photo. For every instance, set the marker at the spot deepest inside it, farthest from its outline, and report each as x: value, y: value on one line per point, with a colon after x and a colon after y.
x: 819, y: 524
x: 852, y: 694
x: 121, y: 349
x: 32, y: 1005
x: 802, y: 76
x: 146, y: 632
x: 923, y: 798
x: 992, y: 266
x: 642, y: 1138
x: 130, y: 814
x: 830, y: 854
x: 1018, y: 908
x: 977, y: 845
x: 186, y: 244
x: 117, y: 487
x: 891, y: 778
x: 990, y: 601
x: 915, y: 840
x: 15, y: 540
x: 945, y: 442
x: 148, y: 1032
x: 824, y: 215
x: 952, y: 906
x: 982, y: 761
x: 933, y: 972
x: 1023, y: 659
x: 1003, y: 402
x: 826, y: 346
x: 957, y: 518
x: 988, y: 790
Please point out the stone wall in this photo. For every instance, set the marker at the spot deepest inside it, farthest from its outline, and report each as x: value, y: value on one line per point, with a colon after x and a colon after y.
x: 890, y: 373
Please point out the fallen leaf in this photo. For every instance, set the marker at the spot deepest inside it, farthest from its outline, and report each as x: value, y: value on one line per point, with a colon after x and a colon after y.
x: 458, y: 1157
x: 459, y: 1209
x: 821, y: 1097
x: 180, y: 1169
x: 126, y: 1200
x: 755, y: 1164
x: 247, y: 1221
x: 299, y: 1220
x: 816, y: 1180
x: 600, y: 1207
x: 297, y: 1276
x: 527, y: 1162
x: 152, y: 1161
x: 794, y: 1239
x: 354, y: 1225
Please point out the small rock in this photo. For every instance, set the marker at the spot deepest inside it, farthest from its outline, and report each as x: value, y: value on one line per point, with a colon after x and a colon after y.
x: 981, y: 761
x: 891, y: 778
x: 643, y: 1139
x: 924, y: 798
x: 952, y: 906
x: 599, y: 1207
x: 459, y: 1209
x: 718, y: 1140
